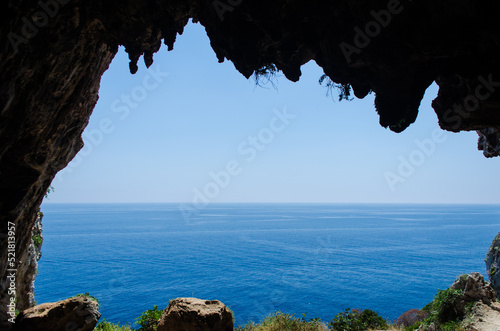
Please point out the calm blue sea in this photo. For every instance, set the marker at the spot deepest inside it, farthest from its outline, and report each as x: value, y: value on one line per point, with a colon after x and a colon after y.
x: 257, y: 258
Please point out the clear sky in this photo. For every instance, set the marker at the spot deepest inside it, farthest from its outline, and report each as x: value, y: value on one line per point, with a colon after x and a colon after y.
x: 190, y: 128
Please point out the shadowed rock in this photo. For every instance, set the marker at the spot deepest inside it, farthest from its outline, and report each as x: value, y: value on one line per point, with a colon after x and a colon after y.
x: 493, y: 264
x: 75, y: 314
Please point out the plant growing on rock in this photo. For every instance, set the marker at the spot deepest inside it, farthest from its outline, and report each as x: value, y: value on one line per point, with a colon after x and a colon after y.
x: 445, y: 307
x: 86, y: 294
x: 268, y: 72
x: 344, y: 90
x: 37, y: 241
x: 49, y: 190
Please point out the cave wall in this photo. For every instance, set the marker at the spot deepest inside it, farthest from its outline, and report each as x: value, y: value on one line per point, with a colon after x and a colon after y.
x: 54, y: 52
x: 49, y: 86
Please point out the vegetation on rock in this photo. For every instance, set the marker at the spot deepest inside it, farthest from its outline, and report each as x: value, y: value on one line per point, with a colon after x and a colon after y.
x: 37, y: 241
x: 266, y: 74
x: 344, y: 90
x: 442, y: 309
x: 88, y: 296
x: 285, y: 322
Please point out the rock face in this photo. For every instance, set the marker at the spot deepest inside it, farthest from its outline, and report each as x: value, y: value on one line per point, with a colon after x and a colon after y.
x: 27, y: 268
x: 78, y: 314
x: 190, y: 314
x: 489, y: 142
x: 493, y: 264
x: 51, y: 77
x: 54, y: 52
x: 475, y: 288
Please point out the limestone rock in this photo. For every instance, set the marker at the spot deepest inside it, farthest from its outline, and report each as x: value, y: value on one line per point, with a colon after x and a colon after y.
x: 475, y: 288
x: 191, y: 314
x: 489, y: 142
x: 76, y: 314
x: 27, y: 267
x: 493, y: 264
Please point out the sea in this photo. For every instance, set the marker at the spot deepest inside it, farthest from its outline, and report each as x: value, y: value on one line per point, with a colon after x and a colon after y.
x: 312, y: 259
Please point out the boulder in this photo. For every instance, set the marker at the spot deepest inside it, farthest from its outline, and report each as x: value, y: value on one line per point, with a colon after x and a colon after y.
x: 475, y: 288
x: 190, y: 314
x: 75, y: 314
x: 493, y: 264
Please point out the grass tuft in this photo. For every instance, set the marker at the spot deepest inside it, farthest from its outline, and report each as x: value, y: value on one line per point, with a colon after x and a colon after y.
x: 284, y: 322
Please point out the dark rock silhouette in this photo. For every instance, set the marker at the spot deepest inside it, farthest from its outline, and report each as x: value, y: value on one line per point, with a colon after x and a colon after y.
x: 54, y: 52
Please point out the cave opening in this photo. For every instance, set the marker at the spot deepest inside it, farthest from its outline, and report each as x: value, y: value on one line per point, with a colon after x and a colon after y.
x: 166, y: 133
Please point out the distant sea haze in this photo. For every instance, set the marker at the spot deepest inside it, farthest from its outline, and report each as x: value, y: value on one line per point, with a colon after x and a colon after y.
x: 258, y: 258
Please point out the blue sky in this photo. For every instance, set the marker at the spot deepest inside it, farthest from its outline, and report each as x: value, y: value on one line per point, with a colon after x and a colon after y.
x: 190, y: 128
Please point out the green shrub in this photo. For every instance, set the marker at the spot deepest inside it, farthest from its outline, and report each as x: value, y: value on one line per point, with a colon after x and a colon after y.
x: 357, y: 320
x: 107, y: 326
x: 285, y: 322
x: 442, y: 308
x: 450, y: 326
x: 414, y: 326
x: 372, y: 320
x: 37, y: 241
x: 347, y: 320
x: 446, y: 310
x: 148, y: 321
